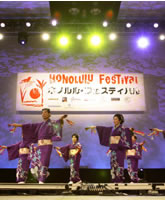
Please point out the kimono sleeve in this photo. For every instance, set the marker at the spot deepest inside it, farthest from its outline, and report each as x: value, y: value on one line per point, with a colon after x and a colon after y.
x: 30, y: 132
x: 13, y: 151
x: 57, y: 130
x: 104, y: 134
x: 129, y: 134
x: 65, y: 152
x: 139, y: 151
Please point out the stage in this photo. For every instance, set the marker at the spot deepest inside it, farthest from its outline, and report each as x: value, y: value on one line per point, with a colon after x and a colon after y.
x: 84, y: 81
x: 102, y: 189
x: 51, y: 197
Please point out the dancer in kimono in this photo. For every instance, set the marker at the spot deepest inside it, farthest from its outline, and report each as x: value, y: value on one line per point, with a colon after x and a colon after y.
x: 20, y: 151
x: 133, y: 156
x: 44, y: 134
x: 119, y: 140
x: 72, y: 152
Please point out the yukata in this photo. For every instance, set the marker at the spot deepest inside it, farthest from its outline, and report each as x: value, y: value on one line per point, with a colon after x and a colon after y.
x: 72, y: 152
x: 119, y: 140
x: 133, y: 157
x: 44, y: 134
x: 20, y: 151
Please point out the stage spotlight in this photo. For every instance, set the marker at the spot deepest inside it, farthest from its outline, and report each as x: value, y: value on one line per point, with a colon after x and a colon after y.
x: 128, y: 25
x: 105, y: 24
x: 2, y: 25
x: 112, y: 36
x: 63, y: 41
x: 143, y: 42
x: 45, y: 36
x: 1, y: 36
x: 79, y: 36
x: 156, y: 25
x: 95, y: 40
x: 54, y: 22
x: 162, y: 37
x: 22, y: 38
x: 28, y: 24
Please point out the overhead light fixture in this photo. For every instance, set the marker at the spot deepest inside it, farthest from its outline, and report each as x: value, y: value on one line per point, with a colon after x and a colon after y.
x: 28, y: 24
x: 112, y: 36
x: 54, y: 22
x: 22, y: 38
x: 45, y: 36
x: 95, y: 40
x: 63, y: 40
x: 79, y: 36
x: 95, y: 11
x: 162, y: 37
x: 105, y: 24
x: 2, y: 25
x: 74, y: 11
x: 128, y: 25
x: 1, y: 36
x: 143, y: 42
x: 156, y: 25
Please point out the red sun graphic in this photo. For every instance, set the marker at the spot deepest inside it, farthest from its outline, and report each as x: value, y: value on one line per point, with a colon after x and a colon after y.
x: 34, y: 93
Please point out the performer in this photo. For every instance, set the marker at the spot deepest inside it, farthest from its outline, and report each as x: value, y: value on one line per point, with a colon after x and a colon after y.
x: 72, y: 152
x: 133, y: 156
x: 44, y: 133
x: 119, y: 140
x: 20, y: 151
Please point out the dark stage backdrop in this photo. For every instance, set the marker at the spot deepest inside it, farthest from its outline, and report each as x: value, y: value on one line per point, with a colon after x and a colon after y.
x: 122, y: 56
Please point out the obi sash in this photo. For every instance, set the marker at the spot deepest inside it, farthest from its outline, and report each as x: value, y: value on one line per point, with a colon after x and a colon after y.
x: 131, y: 152
x: 44, y: 142
x: 114, y: 139
x: 24, y: 150
x: 73, y: 152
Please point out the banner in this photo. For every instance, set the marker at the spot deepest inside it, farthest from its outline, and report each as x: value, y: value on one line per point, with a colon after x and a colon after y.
x: 80, y: 92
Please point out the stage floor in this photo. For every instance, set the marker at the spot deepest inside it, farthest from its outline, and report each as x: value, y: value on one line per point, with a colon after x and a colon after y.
x: 98, y: 189
x: 82, y: 197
